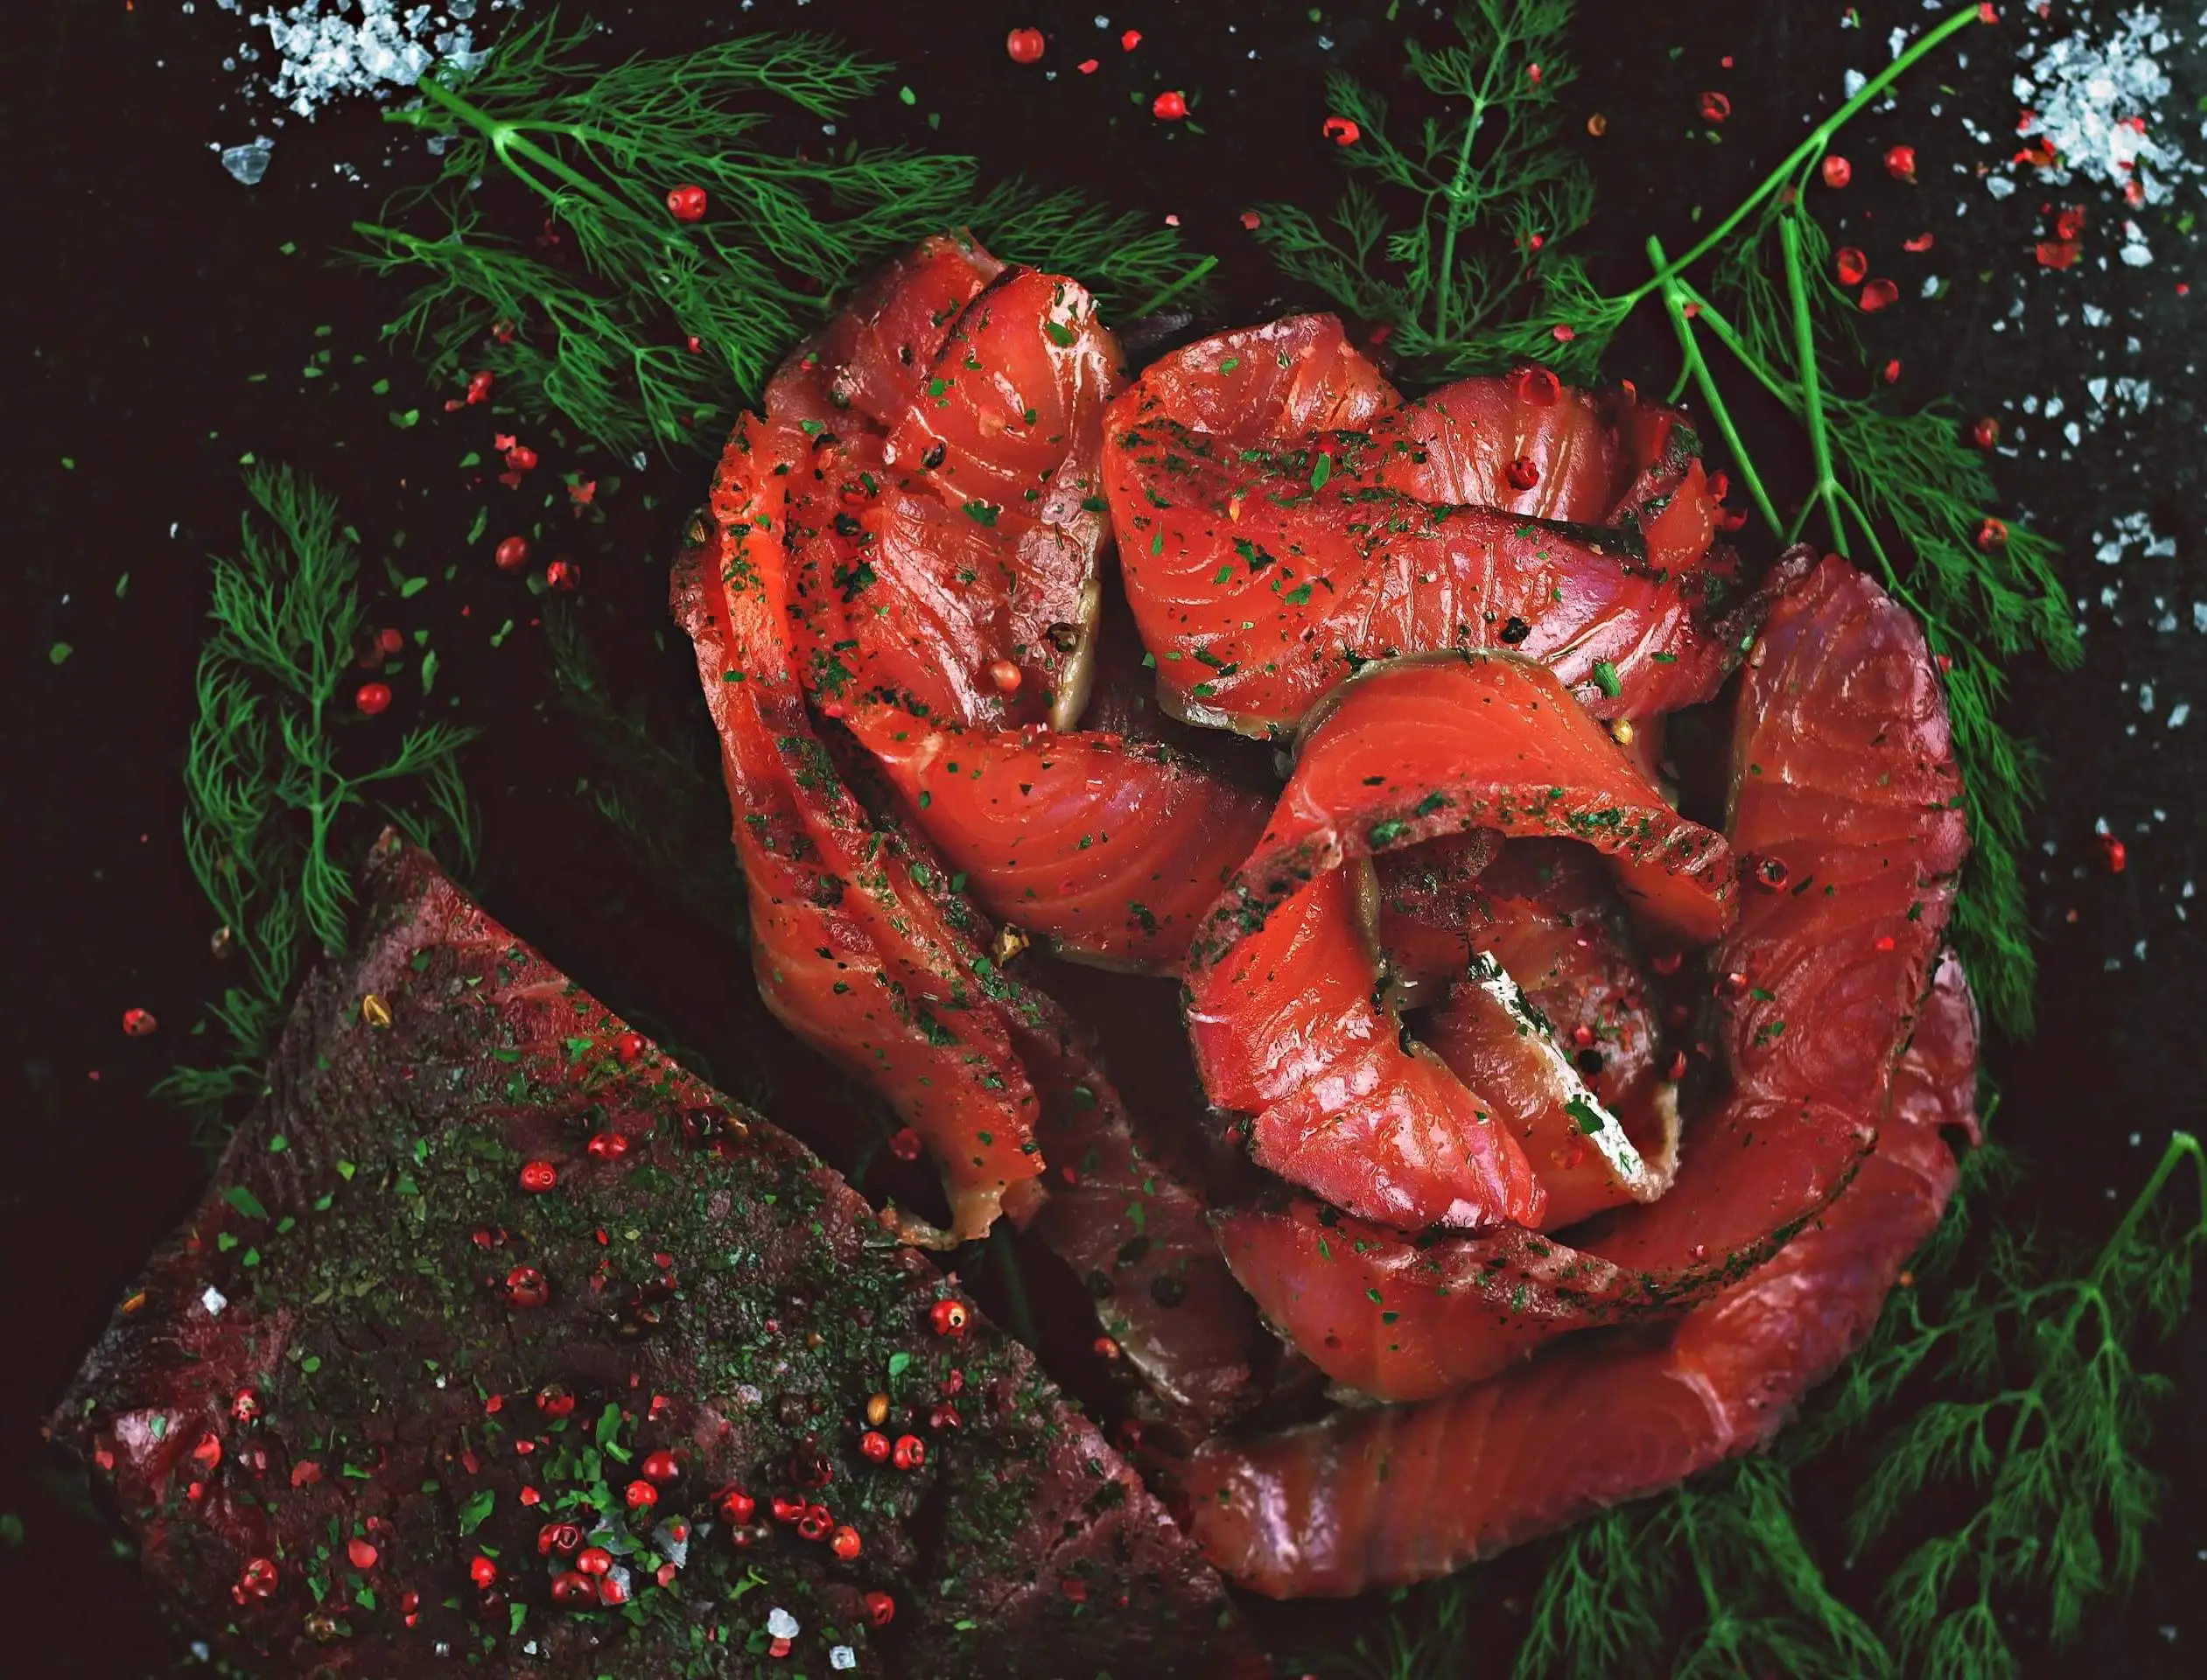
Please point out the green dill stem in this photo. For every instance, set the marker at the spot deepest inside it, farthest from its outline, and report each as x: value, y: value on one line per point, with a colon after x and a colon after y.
x: 1441, y: 297
x: 508, y: 139
x: 1819, y: 137
x: 1149, y: 306
x: 2091, y: 1296
x: 1698, y: 369
x: 1812, y: 390
x: 1709, y: 316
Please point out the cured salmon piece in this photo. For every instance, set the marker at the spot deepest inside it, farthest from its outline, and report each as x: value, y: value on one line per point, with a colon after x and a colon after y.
x: 1530, y: 446
x: 1391, y: 1494
x: 1281, y: 1010
x: 1839, y: 702
x: 1846, y: 809
x: 944, y: 517
x: 1287, y: 1030
x: 1266, y: 384
x: 1111, y: 848
x: 376, y: 1359
x: 1124, y: 1207
x: 849, y: 950
x: 1573, y: 1029
x: 1281, y: 520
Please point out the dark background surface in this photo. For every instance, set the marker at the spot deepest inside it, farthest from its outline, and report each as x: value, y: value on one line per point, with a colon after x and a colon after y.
x: 151, y: 288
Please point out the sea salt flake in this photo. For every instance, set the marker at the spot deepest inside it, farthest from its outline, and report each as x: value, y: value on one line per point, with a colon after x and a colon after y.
x: 780, y: 1624
x: 214, y: 1300
x: 2179, y: 713
x: 248, y: 162
x: 2091, y: 101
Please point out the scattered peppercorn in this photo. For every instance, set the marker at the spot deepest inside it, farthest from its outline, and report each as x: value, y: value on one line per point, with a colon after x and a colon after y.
x: 1168, y: 107
x: 536, y: 1177
x: 686, y: 203
x: 1837, y: 172
x: 1024, y: 45
x: 372, y: 699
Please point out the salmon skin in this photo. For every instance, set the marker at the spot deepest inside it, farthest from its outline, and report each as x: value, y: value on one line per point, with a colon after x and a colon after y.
x: 1844, y: 773
x: 1282, y: 516
x: 944, y: 521
x: 1111, y: 848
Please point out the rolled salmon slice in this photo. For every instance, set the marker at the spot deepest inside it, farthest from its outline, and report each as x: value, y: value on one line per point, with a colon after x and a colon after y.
x: 1839, y: 704
x: 1283, y: 1010
x: 1282, y: 518
x: 1391, y: 1494
x: 945, y: 517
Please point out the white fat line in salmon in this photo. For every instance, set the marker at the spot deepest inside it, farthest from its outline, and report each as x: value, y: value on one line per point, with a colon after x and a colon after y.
x: 1644, y: 1181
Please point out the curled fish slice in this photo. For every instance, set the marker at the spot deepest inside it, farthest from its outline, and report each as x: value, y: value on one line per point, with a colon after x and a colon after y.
x: 1282, y: 517
x: 945, y: 516
x: 1839, y: 701
x: 848, y: 950
x: 1109, y: 848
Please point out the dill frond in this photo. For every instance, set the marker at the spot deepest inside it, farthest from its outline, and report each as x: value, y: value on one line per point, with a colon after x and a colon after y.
x: 1451, y: 239
x: 2040, y: 1419
x: 604, y: 340
x: 2044, y: 1416
x: 1720, y: 1558
x: 271, y: 802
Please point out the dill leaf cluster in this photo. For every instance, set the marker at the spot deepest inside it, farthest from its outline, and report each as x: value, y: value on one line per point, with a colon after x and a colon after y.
x: 645, y: 331
x: 277, y: 798
x: 1456, y: 230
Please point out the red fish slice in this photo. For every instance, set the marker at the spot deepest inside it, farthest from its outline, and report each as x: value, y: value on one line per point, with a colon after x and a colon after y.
x: 849, y: 951
x: 1545, y: 911
x: 1279, y: 521
x: 944, y: 517
x: 1109, y: 848
x: 1530, y: 446
x: 1399, y: 1493
x: 1835, y: 711
x: 1280, y: 1006
x: 1263, y: 384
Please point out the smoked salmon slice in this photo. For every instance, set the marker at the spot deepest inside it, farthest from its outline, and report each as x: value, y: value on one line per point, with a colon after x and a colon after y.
x: 1281, y: 518
x: 848, y: 950
x: 945, y: 520
x: 1843, y: 760
x: 1282, y: 1007
x: 1392, y: 1494
x: 1111, y: 848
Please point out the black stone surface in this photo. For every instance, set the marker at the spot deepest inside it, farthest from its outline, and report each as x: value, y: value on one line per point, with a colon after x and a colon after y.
x: 151, y: 289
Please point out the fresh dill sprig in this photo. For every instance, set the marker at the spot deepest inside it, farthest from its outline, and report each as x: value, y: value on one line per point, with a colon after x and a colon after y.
x: 273, y: 800
x: 605, y: 341
x: 1490, y: 192
x: 2043, y: 1418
